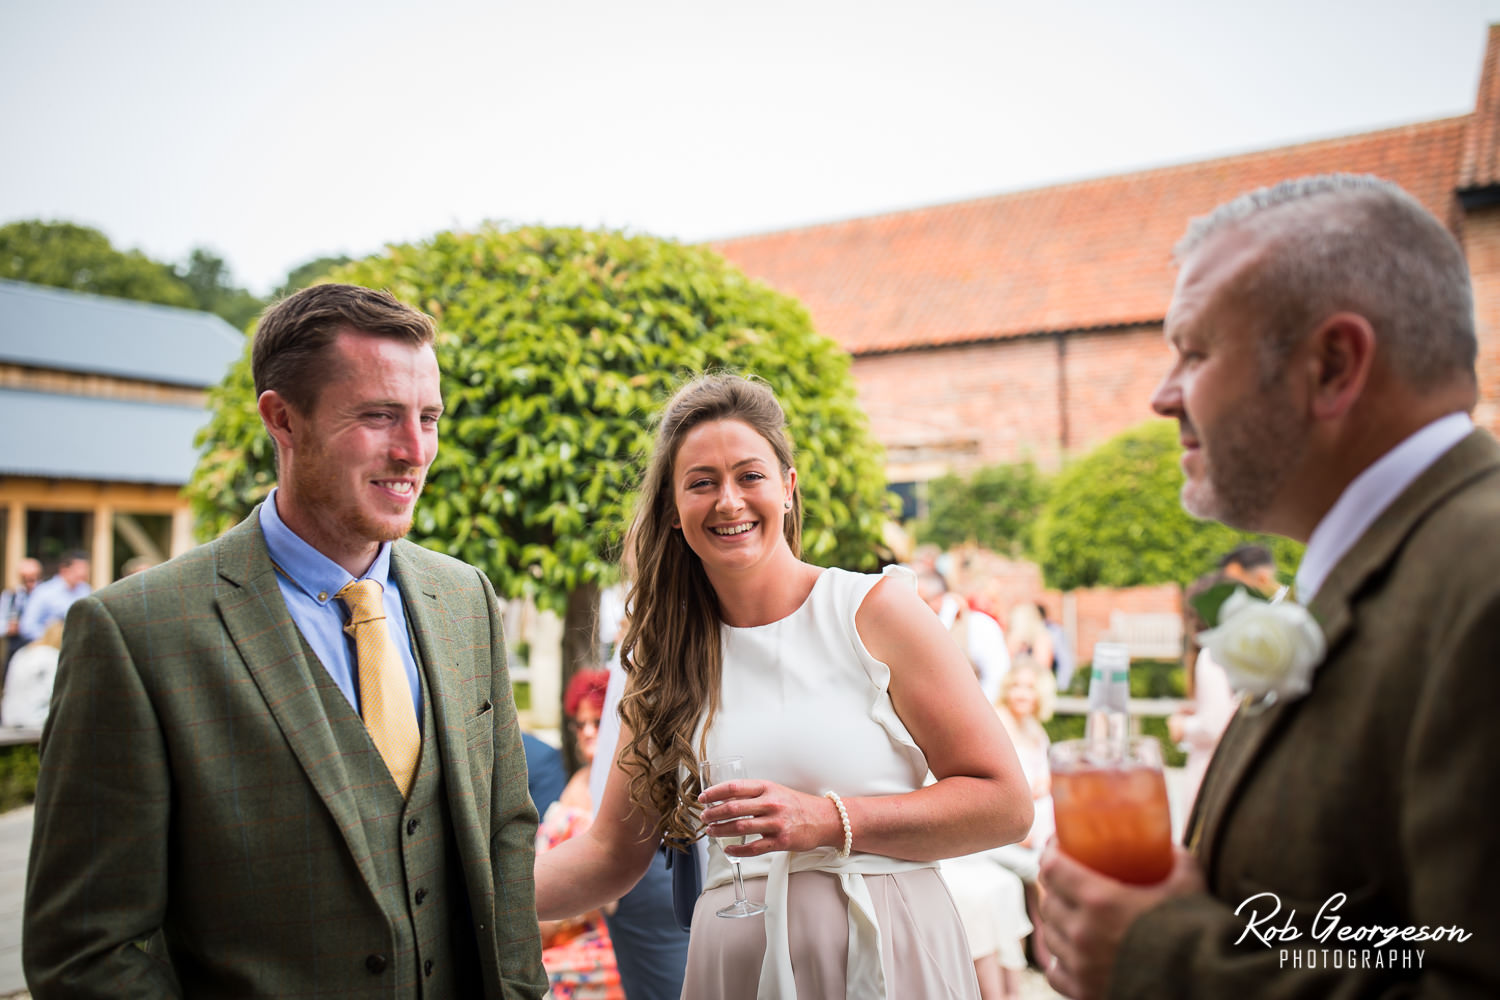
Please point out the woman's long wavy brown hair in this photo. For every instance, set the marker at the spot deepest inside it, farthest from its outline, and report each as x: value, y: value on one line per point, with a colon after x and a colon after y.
x: 671, y: 651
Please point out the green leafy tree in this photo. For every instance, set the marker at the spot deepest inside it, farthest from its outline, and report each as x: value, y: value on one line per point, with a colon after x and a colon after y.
x: 67, y: 255
x: 995, y: 507
x: 1115, y: 519
x: 303, y: 275
x: 208, y: 276
x: 557, y: 346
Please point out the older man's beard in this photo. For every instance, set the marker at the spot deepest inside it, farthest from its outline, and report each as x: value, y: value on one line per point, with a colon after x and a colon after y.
x: 1247, y: 462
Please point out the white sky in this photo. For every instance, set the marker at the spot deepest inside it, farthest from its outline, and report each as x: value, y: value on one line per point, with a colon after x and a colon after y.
x: 276, y: 131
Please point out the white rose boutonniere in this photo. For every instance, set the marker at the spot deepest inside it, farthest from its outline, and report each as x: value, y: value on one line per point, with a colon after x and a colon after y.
x: 1268, y: 649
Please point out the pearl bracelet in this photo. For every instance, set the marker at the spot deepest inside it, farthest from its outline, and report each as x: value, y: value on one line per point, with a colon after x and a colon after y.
x: 844, y: 819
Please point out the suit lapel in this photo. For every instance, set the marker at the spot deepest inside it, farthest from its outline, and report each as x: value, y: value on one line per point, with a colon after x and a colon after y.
x: 429, y: 620
x: 257, y: 620
x: 1249, y: 734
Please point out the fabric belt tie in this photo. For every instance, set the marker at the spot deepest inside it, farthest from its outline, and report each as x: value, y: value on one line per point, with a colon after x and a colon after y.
x: 384, y: 693
x: 864, y: 975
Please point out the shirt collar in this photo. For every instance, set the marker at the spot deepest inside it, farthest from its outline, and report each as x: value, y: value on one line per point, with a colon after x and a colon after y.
x: 1371, y: 492
x: 305, y: 567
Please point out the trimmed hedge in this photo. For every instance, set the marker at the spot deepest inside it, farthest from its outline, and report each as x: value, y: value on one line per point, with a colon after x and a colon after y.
x: 18, y: 769
x: 557, y: 347
x: 1115, y: 519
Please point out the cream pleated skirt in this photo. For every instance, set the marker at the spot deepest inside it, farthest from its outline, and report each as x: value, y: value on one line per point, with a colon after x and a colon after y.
x: 923, y: 947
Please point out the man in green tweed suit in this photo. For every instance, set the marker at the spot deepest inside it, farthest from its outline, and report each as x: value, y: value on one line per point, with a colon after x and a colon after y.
x: 1343, y: 843
x: 215, y: 816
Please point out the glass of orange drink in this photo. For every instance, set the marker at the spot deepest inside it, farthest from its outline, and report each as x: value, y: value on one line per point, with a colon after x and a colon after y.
x: 1111, y: 808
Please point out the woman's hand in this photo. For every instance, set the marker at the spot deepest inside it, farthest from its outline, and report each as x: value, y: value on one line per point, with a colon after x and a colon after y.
x: 783, y: 818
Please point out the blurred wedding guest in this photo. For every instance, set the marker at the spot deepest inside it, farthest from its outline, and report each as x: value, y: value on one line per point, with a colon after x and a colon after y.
x: 1027, y: 699
x: 546, y: 775
x: 992, y: 905
x: 1323, y: 341
x: 1026, y: 635
x: 1063, y: 660
x: 611, y: 619
x: 50, y: 600
x: 1251, y: 564
x: 577, y: 952
x: 996, y: 891
x: 1198, y: 727
x: 976, y: 633
x: 868, y: 750
x: 136, y: 564
x: 28, y: 684
x: 13, y: 602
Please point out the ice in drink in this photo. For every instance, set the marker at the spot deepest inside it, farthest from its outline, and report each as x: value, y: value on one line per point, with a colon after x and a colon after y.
x: 1113, y: 816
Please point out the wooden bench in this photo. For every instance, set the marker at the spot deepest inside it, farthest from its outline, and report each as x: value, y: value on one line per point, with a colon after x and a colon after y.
x: 1139, y: 707
x: 1148, y: 635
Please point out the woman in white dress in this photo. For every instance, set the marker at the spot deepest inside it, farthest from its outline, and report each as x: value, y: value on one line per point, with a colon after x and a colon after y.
x: 840, y: 690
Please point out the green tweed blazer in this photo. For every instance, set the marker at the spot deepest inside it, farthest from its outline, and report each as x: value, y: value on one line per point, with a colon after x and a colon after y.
x: 1370, y: 803
x: 191, y: 792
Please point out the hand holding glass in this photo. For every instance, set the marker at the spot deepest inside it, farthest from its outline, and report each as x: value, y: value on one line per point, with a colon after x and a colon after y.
x: 716, y: 772
x: 1112, y: 812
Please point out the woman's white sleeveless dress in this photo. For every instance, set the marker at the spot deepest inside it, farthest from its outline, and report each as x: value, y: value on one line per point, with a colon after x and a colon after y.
x: 807, y: 706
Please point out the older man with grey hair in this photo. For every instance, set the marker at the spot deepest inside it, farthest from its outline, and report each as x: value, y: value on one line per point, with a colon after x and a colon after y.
x: 1323, y: 347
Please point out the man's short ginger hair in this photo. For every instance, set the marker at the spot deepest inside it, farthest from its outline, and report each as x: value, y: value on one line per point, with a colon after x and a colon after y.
x: 291, y: 352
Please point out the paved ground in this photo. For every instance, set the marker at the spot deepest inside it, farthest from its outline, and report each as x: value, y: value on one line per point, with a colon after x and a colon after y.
x: 15, y: 841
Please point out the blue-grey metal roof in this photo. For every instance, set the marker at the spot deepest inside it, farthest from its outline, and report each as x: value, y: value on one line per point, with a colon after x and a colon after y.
x: 58, y: 436
x: 76, y: 332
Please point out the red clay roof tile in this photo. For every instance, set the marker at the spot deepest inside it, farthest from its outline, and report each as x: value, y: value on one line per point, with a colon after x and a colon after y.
x: 1075, y: 256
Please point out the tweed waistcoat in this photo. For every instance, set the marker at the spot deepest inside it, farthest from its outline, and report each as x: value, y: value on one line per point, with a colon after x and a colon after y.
x: 431, y: 951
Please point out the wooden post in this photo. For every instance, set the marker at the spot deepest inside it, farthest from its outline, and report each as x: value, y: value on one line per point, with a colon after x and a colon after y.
x: 102, y: 552
x: 15, y: 540
x: 182, y: 532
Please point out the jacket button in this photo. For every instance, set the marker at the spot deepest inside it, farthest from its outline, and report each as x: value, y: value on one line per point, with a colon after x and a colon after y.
x: 411, y: 826
x: 375, y: 964
x: 427, y: 967
x: 421, y: 895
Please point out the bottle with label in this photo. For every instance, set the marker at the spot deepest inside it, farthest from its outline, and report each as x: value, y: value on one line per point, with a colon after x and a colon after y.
x: 1108, y: 726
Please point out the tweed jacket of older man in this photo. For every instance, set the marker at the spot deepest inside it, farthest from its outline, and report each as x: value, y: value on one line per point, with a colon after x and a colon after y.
x: 1369, y: 804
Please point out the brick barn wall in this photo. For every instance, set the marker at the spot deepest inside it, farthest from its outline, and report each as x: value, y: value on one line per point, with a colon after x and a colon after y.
x: 1094, y: 605
x: 982, y: 404
x: 1481, y: 238
x: 961, y: 407
x: 1111, y: 375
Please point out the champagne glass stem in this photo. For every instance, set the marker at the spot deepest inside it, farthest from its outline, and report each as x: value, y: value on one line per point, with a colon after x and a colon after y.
x: 739, y: 883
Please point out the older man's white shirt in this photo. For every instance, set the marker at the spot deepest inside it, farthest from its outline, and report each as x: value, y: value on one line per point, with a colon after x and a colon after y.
x: 1371, y: 492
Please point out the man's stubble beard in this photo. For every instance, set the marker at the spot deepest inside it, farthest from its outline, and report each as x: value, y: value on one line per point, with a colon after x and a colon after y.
x: 1247, y: 464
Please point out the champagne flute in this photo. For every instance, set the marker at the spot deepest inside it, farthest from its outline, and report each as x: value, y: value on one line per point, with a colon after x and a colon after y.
x: 716, y: 772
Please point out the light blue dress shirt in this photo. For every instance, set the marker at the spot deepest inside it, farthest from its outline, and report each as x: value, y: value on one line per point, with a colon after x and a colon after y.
x: 308, y: 580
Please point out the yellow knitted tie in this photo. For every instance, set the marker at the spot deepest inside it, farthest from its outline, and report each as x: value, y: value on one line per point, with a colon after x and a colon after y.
x: 384, y: 694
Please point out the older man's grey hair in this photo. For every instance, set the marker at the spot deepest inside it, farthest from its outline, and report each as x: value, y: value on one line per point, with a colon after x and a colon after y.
x: 1356, y: 243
